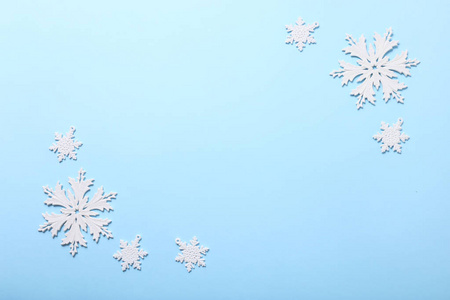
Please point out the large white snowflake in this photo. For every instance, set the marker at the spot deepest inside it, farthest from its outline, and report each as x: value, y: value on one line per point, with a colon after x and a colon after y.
x: 374, y: 68
x: 130, y: 254
x: 65, y: 146
x: 77, y: 212
x: 191, y: 254
x: 391, y: 136
x: 300, y: 34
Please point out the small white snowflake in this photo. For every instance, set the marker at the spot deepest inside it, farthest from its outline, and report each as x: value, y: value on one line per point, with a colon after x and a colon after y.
x: 65, y: 146
x: 77, y: 212
x: 391, y: 137
x: 374, y: 68
x: 191, y: 254
x: 300, y: 34
x: 130, y: 254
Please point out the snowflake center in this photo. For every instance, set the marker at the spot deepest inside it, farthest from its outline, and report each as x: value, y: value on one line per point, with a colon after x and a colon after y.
x: 391, y: 136
x: 65, y: 145
x: 191, y: 254
x: 130, y: 254
x: 300, y: 34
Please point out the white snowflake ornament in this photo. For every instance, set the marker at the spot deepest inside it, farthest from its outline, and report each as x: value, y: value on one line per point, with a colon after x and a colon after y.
x: 300, y: 34
x: 375, y: 69
x: 130, y: 255
x: 191, y: 254
x: 77, y: 212
x: 391, y: 136
x: 65, y: 146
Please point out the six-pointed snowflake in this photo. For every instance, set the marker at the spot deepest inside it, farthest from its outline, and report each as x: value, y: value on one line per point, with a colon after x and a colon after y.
x: 77, y: 212
x: 130, y: 254
x: 191, y: 254
x: 65, y: 146
x: 374, y: 68
x: 300, y: 34
x: 391, y: 137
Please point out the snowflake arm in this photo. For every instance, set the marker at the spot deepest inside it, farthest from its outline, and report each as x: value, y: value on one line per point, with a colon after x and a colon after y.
x: 300, y: 34
x: 374, y: 69
x: 357, y: 48
x: 80, y: 186
x: 130, y: 255
x: 191, y: 254
x: 400, y: 64
x: 57, y: 197
x: 97, y: 227
x: 383, y: 44
x: 364, y: 92
x: 74, y: 238
x: 54, y: 223
x: 100, y: 201
x: 65, y: 146
x: 77, y: 212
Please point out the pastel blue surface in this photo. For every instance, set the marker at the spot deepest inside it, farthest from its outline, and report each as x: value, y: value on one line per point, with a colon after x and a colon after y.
x: 206, y: 123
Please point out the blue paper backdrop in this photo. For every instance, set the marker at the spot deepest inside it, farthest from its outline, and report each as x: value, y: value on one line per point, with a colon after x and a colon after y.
x: 206, y: 123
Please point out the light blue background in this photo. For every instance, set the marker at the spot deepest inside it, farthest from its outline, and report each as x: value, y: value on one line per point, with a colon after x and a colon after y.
x: 206, y: 123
